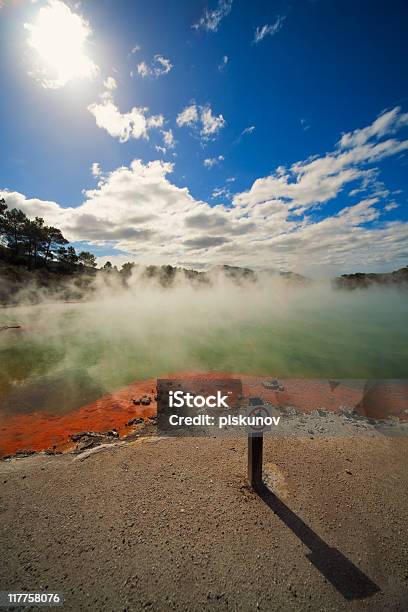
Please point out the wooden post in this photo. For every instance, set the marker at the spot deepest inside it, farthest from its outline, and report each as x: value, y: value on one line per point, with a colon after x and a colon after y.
x: 255, y: 446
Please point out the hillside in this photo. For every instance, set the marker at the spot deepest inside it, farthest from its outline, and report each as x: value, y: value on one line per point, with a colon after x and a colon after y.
x: 398, y: 278
x: 24, y: 283
x: 19, y: 283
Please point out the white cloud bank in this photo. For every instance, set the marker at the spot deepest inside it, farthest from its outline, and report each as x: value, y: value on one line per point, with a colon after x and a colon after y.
x: 137, y: 209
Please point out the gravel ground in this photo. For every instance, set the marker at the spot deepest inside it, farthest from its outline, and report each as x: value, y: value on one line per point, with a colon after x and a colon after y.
x: 166, y: 524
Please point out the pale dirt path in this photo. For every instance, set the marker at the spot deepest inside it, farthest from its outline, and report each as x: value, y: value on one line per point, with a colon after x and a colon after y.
x: 169, y: 524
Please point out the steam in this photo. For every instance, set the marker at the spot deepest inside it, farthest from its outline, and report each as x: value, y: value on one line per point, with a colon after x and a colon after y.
x: 271, y: 327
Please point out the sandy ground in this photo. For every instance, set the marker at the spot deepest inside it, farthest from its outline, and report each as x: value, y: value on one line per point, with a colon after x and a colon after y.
x: 170, y: 524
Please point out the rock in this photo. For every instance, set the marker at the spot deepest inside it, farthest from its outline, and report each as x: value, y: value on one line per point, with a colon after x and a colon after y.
x: 289, y: 411
x: 89, y: 439
x: 81, y: 434
x: 24, y: 453
x: 111, y: 433
x: 134, y: 421
x: 145, y: 400
x: 87, y: 442
x: 349, y: 413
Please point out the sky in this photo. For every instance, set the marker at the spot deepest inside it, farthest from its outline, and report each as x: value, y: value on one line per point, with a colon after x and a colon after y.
x: 266, y: 134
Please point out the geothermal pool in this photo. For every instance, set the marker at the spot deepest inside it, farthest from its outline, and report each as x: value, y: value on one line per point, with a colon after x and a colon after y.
x: 67, y: 355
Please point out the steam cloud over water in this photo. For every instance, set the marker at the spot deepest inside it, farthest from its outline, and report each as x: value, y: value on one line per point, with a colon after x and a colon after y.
x: 69, y: 353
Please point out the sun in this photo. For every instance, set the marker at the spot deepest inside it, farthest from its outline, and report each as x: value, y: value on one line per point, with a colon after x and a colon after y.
x: 58, y: 38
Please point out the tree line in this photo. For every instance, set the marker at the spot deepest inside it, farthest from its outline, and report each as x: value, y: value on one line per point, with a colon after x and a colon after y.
x: 30, y: 241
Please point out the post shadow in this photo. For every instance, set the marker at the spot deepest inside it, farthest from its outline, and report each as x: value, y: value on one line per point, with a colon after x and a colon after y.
x: 350, y: 581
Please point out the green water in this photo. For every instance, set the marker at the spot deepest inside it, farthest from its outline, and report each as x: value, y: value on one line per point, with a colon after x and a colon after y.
x: 69, y: 354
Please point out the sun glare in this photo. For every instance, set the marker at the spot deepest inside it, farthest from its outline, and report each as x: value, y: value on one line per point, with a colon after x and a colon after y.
x: 58, y: 37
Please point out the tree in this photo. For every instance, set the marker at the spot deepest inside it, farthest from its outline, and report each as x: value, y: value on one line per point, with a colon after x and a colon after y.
x: 61, y: 254
x: 35, y: 237
x: 54, y: 239
x: 87, y: 259
x: 72, y: 257
x: 12, y: 225
x: 108, y: 266
x: 67, y: 257
x: 150, y: 271
x: 34, y: 240
x: 3, y: 208
x: 127, y: 269
x: 126, y: 272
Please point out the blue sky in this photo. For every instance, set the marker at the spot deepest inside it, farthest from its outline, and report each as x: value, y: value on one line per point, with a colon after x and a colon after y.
x: 199, y: 133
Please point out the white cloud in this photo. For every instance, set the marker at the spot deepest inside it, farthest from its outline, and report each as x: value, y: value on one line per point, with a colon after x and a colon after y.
x: 211, y: 20
x: 168, y: 139
x: 139, y: 211
x: 155, y: 121
x: 120, y: 125
x: 110, y: 83
x: 320, y: 179
x: 202, y: 117
x: 248, y: 130
x: 268, y: 29
x: 143, y: 69
x: 168, y: 142
x: 221, y: 192
x: 57, y: 39
x: 96, y: 169
x: 134, y: 124
x: 223, y: 63
x: 160, y: 65
x: 188, y: 116
x: 209, y: 162
x: 135, y: 49
x: 211, y: 124
x: 387, y: 123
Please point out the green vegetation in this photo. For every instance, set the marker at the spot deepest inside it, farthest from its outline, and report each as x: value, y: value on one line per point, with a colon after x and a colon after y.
x: 32, y: 243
